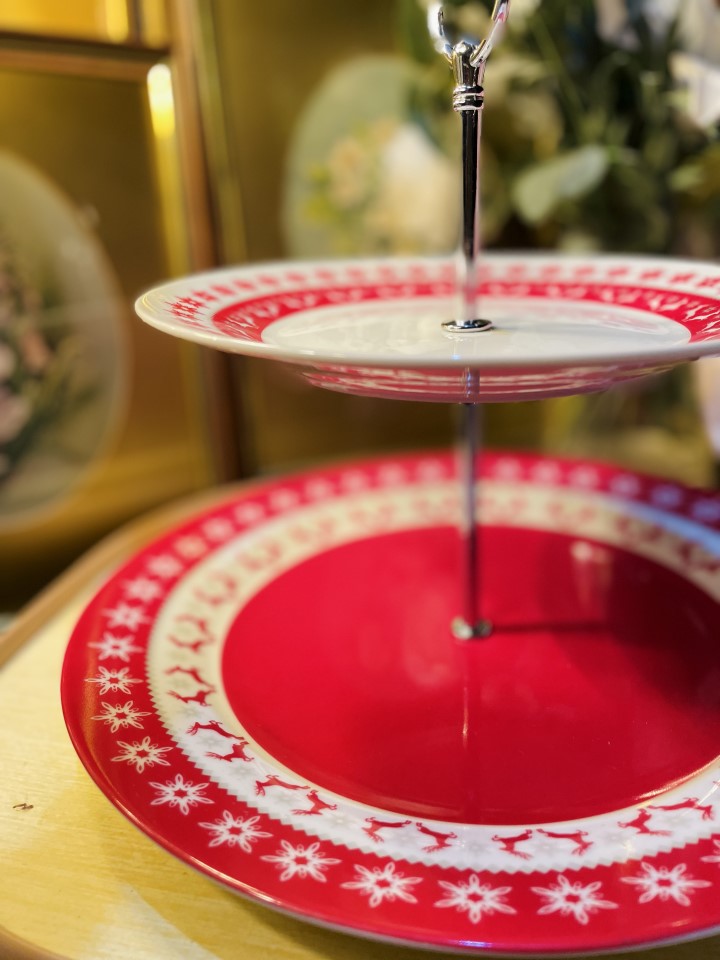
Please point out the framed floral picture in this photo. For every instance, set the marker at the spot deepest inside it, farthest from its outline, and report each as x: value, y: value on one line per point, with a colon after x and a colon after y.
x: 101, y: 418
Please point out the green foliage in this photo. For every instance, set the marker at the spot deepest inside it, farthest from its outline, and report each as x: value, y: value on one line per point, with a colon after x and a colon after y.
x: 587, y: 138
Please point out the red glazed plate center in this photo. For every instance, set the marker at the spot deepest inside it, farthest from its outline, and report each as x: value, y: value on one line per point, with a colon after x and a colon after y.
x: 598, y: 688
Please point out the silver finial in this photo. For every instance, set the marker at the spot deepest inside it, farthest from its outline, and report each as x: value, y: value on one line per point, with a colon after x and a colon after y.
x: 468, y: 58
x: 481, y: 48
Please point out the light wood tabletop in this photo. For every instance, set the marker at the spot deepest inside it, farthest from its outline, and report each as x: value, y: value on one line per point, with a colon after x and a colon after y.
x: 78, y: 881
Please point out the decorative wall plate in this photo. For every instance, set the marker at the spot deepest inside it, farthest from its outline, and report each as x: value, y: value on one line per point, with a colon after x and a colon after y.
x: 374, y: 327
x: 272, y: 693
x: 63, y: 368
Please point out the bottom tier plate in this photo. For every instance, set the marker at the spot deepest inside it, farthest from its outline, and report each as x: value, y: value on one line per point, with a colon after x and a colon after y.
x: 272, y: 693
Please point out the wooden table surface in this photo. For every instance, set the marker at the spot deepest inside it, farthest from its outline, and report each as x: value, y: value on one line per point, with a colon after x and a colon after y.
x: 77, y: 880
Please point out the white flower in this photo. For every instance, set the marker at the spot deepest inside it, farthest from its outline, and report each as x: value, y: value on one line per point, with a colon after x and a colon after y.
x: 350, y: 169
x: 142, y: 589
x: 301, y: 861
x: 382, y: 883
x: 694, y: 68
x: 119, y: 648
x: 699, y: 23
x: 475, y: 898
x: 121, y: 715
x: 164, y: 566
x: 14, y: 414
x: 700, y: 82
x: 573, y: 899
x: 125, y: 615
x: 235, y: 832
x: 612, y: 22
x: 113, y: 681
x: 417, y: 202
x: 666, y: 884
x: 142, y: 754
x: 180, y: 793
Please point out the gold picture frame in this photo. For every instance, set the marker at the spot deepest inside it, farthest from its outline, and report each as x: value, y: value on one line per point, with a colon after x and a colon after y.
x: 106, y: 193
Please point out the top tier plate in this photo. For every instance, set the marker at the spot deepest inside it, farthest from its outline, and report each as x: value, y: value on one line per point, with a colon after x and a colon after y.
x: 561, y: 325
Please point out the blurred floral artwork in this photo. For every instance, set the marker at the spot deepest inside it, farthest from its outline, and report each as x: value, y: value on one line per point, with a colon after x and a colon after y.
x: 61, y: 353
x: 363, y: 176
x: 600, y: 133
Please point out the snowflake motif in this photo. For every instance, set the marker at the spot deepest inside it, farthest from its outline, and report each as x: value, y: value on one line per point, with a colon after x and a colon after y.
x: 475, y: 898
x: 319, y: 489
x: 382, y: 883
x: 301, y: 861
x: 115, y: 647
x: 625, y: 485
x: 667, y: 496
x: 430, y: 470
x: 713, y: 857
x: 666, y: 883
x: 573, y: 899
x: 391, y: 475
x: 164, y: 566
x: 218, y: 529
x: 508, y: 469
x: 249, y: 513
x: 142, y: 754
x: 546, y: 473
x: 121, y: 715
x: 190, y: 547
x: 584, y: 477
x: 353, y: 480
x: 124, y: 615
x: 113, y: 681
x: 142, y: 589
x: 706, y: 511
x: 284, y: 500
x: 234, y: 832
x: 180, y: 793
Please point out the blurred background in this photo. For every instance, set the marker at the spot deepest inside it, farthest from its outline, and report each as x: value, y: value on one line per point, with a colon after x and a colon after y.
x: 143, y: 139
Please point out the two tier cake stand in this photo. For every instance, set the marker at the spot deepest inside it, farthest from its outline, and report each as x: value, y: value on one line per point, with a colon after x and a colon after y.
x: 319, y: 696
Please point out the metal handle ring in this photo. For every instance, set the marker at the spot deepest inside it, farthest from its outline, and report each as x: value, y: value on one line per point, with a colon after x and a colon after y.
x: 483, y: 48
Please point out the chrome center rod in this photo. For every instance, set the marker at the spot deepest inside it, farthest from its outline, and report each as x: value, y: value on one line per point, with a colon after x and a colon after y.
x: 469, y: 624
x: 468, y: 59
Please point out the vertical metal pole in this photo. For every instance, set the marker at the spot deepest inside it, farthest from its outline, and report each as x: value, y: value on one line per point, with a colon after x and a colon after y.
x: 470, y: 624
x: 470, y: 240
x: 468, y: 62
x: 468, y: 101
